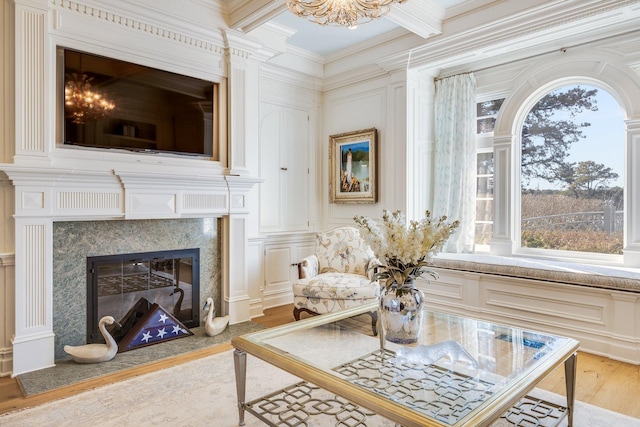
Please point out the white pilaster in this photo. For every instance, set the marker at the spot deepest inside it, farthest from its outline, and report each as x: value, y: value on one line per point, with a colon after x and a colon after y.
x: 632, y: 195
x: 32, y: 66
x: 502, y: 242
x: 235, y: 276
x: 420, y: 97
x: 33, y: 343
x: 33, y: 339
x: 243, y: 58
x: 238, y: 68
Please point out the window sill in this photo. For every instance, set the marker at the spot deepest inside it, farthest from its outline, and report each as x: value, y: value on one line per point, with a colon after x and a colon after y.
x: 616, y: 278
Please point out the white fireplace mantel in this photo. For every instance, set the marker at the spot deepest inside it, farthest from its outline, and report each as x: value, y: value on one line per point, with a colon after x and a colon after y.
x: 46, y: 195
x: 65, y: 194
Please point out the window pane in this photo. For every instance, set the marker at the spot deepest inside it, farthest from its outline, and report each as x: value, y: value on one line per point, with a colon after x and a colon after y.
x: 572, y: 172
x: 484, y: 210
x: 484, y: 233
x: 486, y: 113
x: 489, y: 108
x: 484, y: 199
x: 485, y: 164
x: 486, y: 125
x: 484, y: 187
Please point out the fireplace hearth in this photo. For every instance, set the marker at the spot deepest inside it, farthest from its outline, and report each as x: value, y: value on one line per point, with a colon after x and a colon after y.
x: 116, y: 285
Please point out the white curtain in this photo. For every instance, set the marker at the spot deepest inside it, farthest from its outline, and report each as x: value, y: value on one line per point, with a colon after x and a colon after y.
x: 455, y: 157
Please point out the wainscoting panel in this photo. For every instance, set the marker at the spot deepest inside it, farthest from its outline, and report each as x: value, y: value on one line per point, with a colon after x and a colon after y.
x: 605, y: 321
x: 536, y: 304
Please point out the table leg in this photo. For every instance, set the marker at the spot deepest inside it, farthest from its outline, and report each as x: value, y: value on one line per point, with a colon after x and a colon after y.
x: 570, y: 366
x: 381, y: 330
x: 240, y: 365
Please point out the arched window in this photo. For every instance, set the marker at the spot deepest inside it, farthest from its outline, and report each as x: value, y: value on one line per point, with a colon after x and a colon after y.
x: 572, y: 173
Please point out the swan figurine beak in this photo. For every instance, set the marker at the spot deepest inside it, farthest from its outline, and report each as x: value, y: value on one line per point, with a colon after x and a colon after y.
x: 214, y: 325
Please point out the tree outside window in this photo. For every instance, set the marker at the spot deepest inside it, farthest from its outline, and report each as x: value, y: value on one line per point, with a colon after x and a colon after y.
x: 572, y: 166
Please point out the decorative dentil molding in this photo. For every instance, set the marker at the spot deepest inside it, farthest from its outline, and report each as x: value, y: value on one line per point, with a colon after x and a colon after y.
x: 93, y: 12
x: 239, y: 46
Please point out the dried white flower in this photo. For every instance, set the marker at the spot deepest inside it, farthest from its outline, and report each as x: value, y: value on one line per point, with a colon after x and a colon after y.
x: 406, y: 250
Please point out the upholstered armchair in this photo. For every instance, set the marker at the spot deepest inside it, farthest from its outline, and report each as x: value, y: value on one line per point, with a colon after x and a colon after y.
x: 337, y: 276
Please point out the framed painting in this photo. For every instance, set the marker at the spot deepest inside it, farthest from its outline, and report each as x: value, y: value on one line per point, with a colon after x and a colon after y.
x: 352, y: 159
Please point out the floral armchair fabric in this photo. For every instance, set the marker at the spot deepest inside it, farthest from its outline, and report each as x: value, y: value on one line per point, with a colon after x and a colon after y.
x: 337, y: 276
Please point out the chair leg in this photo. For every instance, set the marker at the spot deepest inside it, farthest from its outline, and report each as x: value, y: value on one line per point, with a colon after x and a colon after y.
x: 297, y: 311
x: 373, y: 314
x: 374, y: 322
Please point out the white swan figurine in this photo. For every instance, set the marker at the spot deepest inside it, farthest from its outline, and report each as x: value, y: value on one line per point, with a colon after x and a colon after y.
x: 214, y: 325
x: 181, y: 314
x: 94, y: 353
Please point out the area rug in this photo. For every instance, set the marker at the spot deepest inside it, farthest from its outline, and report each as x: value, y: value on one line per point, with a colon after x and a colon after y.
x: 203, y: 392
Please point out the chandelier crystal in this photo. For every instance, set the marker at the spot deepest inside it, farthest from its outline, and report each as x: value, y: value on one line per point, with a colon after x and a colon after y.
x: 347, y: 13
x: 83, y: 104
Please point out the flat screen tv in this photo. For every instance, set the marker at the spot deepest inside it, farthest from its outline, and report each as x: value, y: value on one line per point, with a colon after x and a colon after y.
x: 113, y: 104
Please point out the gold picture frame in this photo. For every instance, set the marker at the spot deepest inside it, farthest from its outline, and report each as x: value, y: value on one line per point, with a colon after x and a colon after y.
x: 352, y: 160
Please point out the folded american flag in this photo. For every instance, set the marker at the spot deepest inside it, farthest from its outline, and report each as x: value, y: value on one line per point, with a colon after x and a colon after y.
x: 155, y: 326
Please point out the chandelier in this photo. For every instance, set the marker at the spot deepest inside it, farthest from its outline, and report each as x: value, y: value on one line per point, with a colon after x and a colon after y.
x: 81, y: 103
x: 348, y: 13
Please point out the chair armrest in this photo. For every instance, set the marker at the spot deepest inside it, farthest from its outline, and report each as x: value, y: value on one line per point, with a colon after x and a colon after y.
x: 308, y: 267
x: 371, y: 267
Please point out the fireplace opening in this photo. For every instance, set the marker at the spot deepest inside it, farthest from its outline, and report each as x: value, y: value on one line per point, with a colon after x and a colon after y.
x: 128, y: 284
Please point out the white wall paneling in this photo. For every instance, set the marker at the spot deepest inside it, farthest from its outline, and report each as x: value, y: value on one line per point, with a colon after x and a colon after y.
x: 363, y: 106
x: 284, y: 147
x: 282, y: 253
x: 255, y: 278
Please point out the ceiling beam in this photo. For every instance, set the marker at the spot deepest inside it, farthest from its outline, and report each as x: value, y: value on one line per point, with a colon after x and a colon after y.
x: 246, y: 15
x: 423, y: 18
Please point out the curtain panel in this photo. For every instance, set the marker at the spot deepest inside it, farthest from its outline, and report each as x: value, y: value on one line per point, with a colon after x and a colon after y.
x: 455, y: 157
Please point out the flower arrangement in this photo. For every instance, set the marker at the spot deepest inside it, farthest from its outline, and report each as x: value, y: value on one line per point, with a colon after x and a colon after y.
x: 405, y: 250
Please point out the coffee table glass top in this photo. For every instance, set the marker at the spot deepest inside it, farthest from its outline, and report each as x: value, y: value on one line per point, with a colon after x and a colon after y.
x: 462, y: 371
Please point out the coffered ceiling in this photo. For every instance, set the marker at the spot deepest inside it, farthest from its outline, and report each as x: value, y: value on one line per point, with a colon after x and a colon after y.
x: 443, y: 36
x: 421, y: 17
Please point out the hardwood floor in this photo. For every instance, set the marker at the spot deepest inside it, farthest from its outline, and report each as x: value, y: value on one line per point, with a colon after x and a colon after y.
x: 601, y: 382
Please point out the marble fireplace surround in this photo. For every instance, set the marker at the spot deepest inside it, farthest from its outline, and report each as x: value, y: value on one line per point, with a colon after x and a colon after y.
x: 74, y: 241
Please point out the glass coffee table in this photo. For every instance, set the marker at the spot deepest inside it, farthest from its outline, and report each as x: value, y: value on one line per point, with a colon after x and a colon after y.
x: 462, y: 372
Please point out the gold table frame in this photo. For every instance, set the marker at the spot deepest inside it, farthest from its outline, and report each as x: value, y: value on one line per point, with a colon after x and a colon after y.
x: 484, y: 415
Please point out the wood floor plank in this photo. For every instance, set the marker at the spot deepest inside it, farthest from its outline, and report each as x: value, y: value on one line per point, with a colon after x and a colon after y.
x: 619, y: 391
